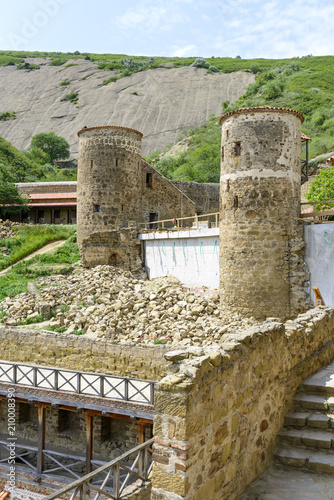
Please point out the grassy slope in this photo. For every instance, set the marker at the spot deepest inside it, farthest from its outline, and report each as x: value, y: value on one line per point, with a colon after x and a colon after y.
x: 28, y: 240
x: 305, y: 84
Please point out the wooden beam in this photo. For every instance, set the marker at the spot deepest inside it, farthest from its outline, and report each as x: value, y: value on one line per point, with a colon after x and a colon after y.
x: 318, y: 296
x: 41, y: 442
x: 89, y: 442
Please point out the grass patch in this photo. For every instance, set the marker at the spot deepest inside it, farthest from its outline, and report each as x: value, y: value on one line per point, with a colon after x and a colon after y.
x: 64, y: 83
x: 30, y: 238
x: 71, y: 97
x: 15, y: 281
x: 31, y: 321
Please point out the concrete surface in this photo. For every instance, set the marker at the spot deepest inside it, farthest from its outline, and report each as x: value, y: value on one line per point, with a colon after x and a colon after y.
x: 284, y: 484
x: 191, y: 255
x: 319, y: 257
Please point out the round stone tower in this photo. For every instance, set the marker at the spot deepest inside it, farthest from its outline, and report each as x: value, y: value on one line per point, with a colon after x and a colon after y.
x: 109, y: 180
x: 259, y: 197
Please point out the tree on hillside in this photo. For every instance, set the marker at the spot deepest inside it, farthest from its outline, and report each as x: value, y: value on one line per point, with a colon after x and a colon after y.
x: 23, y: 169
x: 11, y: 202
x: 56, y: 147
x: 322, y: 189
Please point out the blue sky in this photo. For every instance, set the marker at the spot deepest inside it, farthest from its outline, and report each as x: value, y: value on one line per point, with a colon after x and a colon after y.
x: 257, y: 28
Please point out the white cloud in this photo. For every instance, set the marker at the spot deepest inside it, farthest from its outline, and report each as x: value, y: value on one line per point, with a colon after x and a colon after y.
x: 188, y: 50
x: 149, y: 17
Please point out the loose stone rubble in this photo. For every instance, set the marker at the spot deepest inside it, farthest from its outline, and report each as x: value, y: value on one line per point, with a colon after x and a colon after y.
x: 110, y: 303
x: 6, y: 229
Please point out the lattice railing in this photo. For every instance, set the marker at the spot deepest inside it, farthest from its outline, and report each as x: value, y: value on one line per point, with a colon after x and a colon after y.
x: 110, y: 480
x: 56, y: 463
x: 90, y: 384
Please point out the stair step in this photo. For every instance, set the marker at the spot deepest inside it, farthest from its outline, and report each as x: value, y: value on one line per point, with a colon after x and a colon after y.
x: 308, y: 437
x: 319, y: 420
x: 297, y: 419
x: 319, y: 386
x: 311, y: 402
x: 292, y: 457
x: 318, y: 461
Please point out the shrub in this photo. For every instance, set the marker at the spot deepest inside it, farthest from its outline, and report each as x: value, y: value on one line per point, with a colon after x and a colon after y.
x: 28, y: 66
x: 71, y: 97
x: 200, y: 62
x: 213, y: 69
x: 8, y: 115
x: 56, y: 62
x: 64, y: 82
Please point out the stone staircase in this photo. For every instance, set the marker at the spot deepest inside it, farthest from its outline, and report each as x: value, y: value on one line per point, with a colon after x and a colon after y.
x: 307, y: 439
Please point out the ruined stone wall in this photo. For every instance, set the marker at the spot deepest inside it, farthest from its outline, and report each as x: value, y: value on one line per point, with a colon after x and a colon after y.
x: 261, y: 245
x: 162, y: 197
x: 219, y: 410
x: 82, y: 354
x: 205, y: 195
x: 118, y: 248
x: 109, y: 179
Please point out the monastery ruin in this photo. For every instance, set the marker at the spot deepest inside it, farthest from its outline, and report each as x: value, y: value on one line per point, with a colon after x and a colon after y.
x: 182, y: 420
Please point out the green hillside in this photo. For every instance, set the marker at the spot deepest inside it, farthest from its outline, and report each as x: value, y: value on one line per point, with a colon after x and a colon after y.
x: 305, y: 84
x: 22, y: 168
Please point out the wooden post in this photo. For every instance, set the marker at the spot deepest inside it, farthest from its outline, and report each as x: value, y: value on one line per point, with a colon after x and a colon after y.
x: 141, y: 440
x: 89, y: 442
x: 318, y: 296
x: 41, y: 442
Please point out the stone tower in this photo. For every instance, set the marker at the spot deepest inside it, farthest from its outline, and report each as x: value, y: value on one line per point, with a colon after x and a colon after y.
x: 260, y: 242
x: 109, y: 179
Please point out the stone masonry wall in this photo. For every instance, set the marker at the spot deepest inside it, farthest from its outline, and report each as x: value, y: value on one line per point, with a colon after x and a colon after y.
x: 163, y: 197
x: 205, y: 195
x: 118, y: 248
x: 47, y: 187
x: 261, y: 243
x: 83, y: 354
x: 219, y: 411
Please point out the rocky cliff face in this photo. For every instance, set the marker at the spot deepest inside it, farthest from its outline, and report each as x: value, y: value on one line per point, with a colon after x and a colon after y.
x: 159, y: 102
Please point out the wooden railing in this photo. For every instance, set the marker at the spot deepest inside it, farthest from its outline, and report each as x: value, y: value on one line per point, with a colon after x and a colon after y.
x: 55, y: 462
x: 90, y: 384
x: 110, y: 480
x: 314, y: 215
x: 177, y: 224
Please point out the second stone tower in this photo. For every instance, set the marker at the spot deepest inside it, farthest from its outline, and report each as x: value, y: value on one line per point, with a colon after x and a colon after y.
x: 260, y: 239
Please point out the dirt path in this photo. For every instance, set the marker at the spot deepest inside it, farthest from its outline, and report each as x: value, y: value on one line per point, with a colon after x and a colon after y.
x: 48, y: 248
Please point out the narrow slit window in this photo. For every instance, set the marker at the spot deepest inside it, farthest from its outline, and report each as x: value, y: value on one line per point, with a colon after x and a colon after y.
x: 116, y: 162
x: 227, y: 133
x: 149, y: 180
x: 122, y: 208
x: 97, y: 208
x: 223, y: 153
x: 91, y: 163
x: 237, y: 149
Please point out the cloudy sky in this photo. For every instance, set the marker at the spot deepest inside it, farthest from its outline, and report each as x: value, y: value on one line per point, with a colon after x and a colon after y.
x: 249, y: 28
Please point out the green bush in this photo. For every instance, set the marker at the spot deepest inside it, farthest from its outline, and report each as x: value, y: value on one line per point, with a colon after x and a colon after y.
x: 64, y: 82
x: 71, y: 97
x: 57, y: 62
x: 27, y: 66
x: 7, y: 115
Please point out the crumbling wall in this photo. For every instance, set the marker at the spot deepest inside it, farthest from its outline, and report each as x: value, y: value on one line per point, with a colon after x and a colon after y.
x: 119, y: 248
x: 84, y: 354
x: 219, y: 410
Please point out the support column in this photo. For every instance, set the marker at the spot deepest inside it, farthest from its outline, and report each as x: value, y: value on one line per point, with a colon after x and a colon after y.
x: 89, y: 442
x: 41, y: 442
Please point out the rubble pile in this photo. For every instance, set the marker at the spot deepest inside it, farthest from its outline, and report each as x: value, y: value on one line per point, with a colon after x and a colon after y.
x: 6, y: 229
x: 111, y: 303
